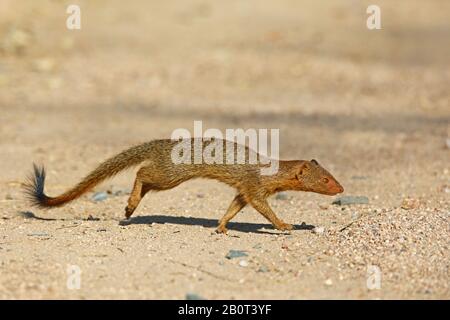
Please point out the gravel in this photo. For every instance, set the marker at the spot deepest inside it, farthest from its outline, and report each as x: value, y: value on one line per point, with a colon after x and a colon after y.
x: 393, y: 238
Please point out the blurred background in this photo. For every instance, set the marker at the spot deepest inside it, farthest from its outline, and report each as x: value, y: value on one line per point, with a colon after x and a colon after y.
x: 373, y: 106
x: 137, y: 70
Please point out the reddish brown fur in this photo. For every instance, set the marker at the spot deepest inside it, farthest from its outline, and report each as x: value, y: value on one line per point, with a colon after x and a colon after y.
x: 158, y: 172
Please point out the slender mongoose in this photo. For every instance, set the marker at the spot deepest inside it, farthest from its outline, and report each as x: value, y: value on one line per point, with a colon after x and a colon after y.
x: 159, y: 172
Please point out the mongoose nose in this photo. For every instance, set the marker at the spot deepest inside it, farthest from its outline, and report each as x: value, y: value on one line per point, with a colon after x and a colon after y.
x: 336, y: 188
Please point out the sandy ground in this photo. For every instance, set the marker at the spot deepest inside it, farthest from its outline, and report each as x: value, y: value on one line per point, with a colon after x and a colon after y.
x: 371, y: 106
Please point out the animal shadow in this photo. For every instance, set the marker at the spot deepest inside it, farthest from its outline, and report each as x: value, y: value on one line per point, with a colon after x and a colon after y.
x: 208, y: 223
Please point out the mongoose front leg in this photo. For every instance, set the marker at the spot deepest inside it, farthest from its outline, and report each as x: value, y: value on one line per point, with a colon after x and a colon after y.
x: 134, y: 199
x: 236, y: 205
x: 263, y: 207
x: 138, y: 192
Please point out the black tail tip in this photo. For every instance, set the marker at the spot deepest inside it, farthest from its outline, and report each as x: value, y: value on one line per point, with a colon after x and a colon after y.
x: 34, y: 187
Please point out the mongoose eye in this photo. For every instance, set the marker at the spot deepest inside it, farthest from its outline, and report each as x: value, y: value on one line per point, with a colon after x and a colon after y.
x: 325, y: 180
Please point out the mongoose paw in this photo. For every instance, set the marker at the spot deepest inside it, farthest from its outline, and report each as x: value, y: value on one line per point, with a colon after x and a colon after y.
x: 221, y: 229
x: 128, y: 212
x: 285, y: 226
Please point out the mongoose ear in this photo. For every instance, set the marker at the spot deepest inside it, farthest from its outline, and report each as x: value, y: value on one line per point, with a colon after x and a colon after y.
x: 304, y: 167
x: 314, y: 161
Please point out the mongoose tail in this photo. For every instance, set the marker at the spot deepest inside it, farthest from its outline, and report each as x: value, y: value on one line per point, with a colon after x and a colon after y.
x: 34, y: 187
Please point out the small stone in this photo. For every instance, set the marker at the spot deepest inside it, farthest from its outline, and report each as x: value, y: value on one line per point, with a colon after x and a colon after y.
x: 359, y: 177
x: 243, y: 263
x: 101, y: 230
x: 346, y: 200
x: 193, y: 296
x: 328, y: 282
x: 200, y: 195
x: 9, y: 197
x: 117, y: 191
x: 99, y: 196
x: 27, y: 214
x: 323, y: 206
x: 318, y: 230
x: 409, y: 204
x: 235, y: 254
x: 281, y: 196
x: 92, y: 218
x: 263, y: 269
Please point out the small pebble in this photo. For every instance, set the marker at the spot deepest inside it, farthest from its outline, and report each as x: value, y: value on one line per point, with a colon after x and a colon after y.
x: 243, y: 263
x: 91, y: 218
x: 99, y: 196
x: 117, y: 191
x: 328, y: 282
x: 193, y: 296
x: 346, y: 200
x: 281, y: 196
x: 409, y: 204
x: 318, y: 230
x: 359, y: 177
x: 263, y: 269
x: 27, y: 214
x: 235, y: 254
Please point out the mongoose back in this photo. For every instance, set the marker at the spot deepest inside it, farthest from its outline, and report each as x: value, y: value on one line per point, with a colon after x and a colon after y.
x: 159, y: 172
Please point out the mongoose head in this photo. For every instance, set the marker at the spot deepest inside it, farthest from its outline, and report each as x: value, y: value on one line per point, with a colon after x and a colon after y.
x: 314, y: 178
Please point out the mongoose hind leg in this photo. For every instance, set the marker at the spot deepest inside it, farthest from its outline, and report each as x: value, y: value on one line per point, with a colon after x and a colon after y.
x: 236, y: 205
x: 263, y: 207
